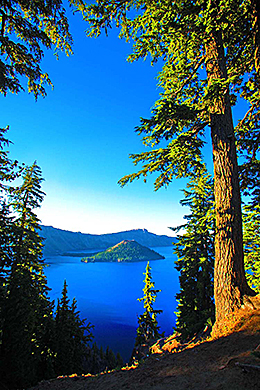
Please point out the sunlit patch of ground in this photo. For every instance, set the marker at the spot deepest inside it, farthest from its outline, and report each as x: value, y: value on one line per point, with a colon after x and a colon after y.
x: 228, y: 361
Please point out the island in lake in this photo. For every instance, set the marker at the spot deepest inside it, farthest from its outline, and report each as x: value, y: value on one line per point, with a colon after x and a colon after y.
x: 124, y: 251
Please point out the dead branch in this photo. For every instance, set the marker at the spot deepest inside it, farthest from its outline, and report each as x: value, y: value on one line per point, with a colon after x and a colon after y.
x: 252, y: 366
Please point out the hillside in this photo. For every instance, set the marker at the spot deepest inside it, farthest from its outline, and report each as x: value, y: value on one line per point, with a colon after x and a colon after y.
x: 229, y: 361
x: 58, y: 241
x: 125, y: 251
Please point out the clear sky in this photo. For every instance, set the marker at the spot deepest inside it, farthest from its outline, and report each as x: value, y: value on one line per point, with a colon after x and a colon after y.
x: 82, y: 133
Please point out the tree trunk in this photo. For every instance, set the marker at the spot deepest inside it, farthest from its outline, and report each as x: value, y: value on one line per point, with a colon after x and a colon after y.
x: 230, y: 285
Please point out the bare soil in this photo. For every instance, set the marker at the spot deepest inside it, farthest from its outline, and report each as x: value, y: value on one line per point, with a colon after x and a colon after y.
x: 229, y: 361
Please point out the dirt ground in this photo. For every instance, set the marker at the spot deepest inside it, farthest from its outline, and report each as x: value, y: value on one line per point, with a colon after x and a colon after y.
x: 227, y: 362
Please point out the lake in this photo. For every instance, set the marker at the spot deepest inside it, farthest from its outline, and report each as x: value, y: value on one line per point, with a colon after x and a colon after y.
x: 107, y: 295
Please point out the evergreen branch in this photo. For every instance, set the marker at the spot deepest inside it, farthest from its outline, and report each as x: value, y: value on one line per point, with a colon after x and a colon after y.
x: 249, y: 112
x: 186, y: 82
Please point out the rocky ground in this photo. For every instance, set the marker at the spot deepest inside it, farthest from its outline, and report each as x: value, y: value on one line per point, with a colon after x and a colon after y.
x: 229, y: 361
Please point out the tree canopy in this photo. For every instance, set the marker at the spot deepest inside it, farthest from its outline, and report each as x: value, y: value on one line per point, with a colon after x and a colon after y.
x: 252, y: 244
x: 210, y: 59
x: 34, y: 344
x: 26, y: 27
x: 195, y: 251
x: 71, y: 336
x: 148, y: 329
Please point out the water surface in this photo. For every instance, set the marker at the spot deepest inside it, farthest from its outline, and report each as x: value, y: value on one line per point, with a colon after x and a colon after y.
x: 107, y: 295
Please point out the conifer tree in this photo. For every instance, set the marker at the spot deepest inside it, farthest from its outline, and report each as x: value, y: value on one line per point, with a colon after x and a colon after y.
x: 110, y: 359
x: 148, y: 328
x: 119, y: 360
x: 25, y: 28
x: 26, y: 306
x: 71, y: 336
x: 252, y: 244
x: 99, y: 361
x: 27, y: 327
x: 222, y: 38
x: 195, y: 252
x: 101, y: 353
x: 9, y: 171
x: 93, y: 358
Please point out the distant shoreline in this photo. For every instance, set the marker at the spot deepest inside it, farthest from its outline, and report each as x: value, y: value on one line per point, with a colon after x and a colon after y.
x: 58, y: 242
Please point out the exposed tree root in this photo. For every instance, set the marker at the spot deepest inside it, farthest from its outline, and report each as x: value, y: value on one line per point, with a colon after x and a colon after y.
x: 234, y: 320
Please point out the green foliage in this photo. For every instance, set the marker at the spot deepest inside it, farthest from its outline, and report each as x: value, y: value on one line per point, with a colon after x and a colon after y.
x: 71, y: 337
x: 180, y: 33
x: 35, y: 344
x: 252, y: 245
x: 177, y: 33
x: 119, y: 360
x: 29, y: 349
x: 7, y: 175
x: 26, y: 306
x: 110, y: 359
x: 99, y: 361
x: 25, y: 28
x: 195, y: 252
x: 125, y: 251
x: 210, y: 56
x: 9, y: 171
x: 148, y: 328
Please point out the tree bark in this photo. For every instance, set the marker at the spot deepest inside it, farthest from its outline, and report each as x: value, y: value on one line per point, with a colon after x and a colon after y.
x: 230, y: 285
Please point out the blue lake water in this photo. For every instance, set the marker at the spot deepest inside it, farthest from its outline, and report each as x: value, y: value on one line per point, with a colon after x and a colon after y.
x: 107, y: 295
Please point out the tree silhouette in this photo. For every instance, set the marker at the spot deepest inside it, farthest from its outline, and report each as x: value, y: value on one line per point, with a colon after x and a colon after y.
x: 148, y: 328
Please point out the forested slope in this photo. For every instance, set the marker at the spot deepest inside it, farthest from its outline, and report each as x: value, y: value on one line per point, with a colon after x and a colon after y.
x: 227, y: 362
x: 125, y: 251
x: 58, y: 241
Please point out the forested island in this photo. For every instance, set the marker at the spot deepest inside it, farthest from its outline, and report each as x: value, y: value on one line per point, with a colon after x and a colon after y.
x: 124, y: 251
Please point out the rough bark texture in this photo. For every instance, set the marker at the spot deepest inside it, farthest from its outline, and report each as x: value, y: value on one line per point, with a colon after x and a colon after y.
x: 230, y: 283
x: 256, y: 32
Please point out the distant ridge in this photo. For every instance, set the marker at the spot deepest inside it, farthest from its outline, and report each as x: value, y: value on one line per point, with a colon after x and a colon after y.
x: 58, y: 241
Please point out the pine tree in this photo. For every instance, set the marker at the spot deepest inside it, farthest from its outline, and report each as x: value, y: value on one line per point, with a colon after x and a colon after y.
x: 101, y: 353
x: 222, y: 38
x: 94, y: 357
x: 5, y: 256
x: 99, y: 361
x: 9, y: 171
x: 119, y: 360
x: 252, y: 244
x: 63, y: 343
x: 148, y: 329
x: 26, y: 305
x: 195, y: 252
x: 25, y: 28
x: 71, y: 336
x: 110, y: 359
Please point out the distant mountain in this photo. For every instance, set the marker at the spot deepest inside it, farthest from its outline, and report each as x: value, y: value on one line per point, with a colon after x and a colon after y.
x: 59, y: 241
x: 125, y: 251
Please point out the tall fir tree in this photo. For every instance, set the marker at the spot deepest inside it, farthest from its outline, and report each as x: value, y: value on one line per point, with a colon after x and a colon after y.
x: 71, y: 336
x: 148, y: 329
x: 252, y: 244
x: 210, y: 56
x: 9, y: 171
x: 110, y: 358
x: 195, y: 252
x: 97, y: 361
x: 26, y: 306
x: 28, y: 329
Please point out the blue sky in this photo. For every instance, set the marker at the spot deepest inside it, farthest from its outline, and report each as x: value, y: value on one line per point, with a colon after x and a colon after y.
x: 82, y: 133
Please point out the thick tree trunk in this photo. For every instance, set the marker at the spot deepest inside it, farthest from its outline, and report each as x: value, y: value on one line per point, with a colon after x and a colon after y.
x: 230, y: 285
